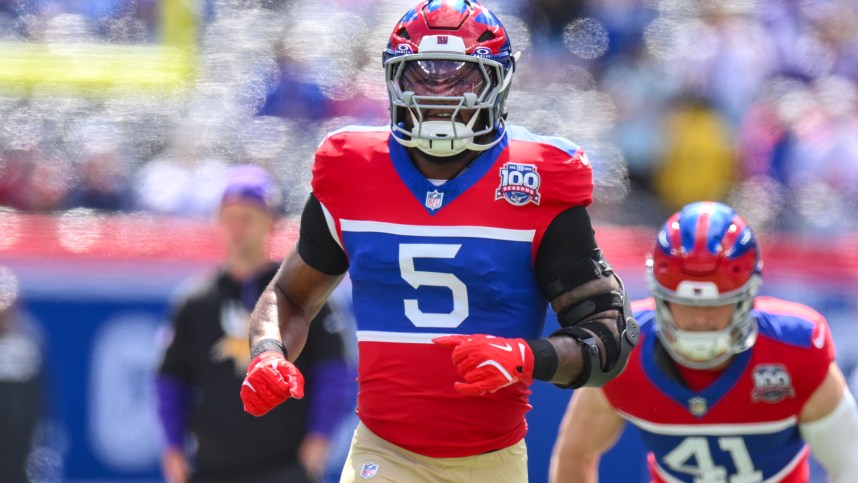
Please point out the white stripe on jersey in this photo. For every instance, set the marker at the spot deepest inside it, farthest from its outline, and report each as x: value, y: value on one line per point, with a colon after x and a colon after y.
x: 485, y: 232
x: 358, y: 128
x: 329, y: 220
x: 399, y: 337
x: 738, y: 429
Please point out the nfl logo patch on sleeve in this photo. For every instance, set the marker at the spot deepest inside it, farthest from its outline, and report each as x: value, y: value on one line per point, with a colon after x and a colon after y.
x: 368, y: 470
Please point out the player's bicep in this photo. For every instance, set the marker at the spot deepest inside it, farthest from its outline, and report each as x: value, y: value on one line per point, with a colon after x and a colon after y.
x: 588, y: 297
x: 826, y: 397
x: 829, y: 425
x: 568, y: 239
x: 567, y: 261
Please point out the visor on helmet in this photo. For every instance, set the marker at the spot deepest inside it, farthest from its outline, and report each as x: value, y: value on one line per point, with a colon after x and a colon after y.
x: 444, y: 78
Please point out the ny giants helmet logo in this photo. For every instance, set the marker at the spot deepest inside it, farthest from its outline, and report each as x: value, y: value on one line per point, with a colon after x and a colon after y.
x: 519, y: 184
x: 772, y: 383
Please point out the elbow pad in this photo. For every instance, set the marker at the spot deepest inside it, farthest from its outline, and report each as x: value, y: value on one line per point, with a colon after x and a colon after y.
x: 833, y: 440
x: 617, y: 352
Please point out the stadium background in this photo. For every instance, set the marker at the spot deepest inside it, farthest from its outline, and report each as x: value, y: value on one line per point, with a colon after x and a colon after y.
x: 119, y: 118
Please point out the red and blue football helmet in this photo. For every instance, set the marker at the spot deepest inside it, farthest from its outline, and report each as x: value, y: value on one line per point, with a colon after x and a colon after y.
x: 705, y: 255
x: 448, y: 67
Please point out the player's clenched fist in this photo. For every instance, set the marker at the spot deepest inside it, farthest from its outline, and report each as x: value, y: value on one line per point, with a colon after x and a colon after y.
x: 489, y: 363
x: 271, y: 379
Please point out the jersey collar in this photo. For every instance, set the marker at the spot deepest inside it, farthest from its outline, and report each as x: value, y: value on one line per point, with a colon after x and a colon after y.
x: 681, y: 394
x: 435, y: 198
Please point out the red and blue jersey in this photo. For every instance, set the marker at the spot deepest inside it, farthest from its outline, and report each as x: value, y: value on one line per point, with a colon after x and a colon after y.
x: 427, y: 260
x: 744, y: 425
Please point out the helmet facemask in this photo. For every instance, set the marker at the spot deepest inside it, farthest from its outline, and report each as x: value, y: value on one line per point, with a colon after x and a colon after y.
x: 706, y: 349
x: 443, y: 103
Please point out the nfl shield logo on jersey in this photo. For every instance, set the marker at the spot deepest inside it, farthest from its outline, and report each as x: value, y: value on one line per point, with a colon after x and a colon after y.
x: 772, y: 383
x: 434, y: 199
x: 698, y: 406
x: 519, y: 184
x: 368, y: 470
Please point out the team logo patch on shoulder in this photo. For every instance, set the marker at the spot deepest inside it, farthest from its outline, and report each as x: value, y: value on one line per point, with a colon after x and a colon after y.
x: 434, y: 199
x: 368, y: 470
x: 519, y: 184
x: 772, y: 383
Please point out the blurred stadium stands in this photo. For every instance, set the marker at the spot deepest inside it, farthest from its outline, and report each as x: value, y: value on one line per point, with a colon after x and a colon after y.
x: 110, y: 168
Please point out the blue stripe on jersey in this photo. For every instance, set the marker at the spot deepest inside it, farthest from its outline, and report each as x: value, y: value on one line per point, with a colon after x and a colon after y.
x: 724, y: 457
x: 520, y: 133
x: 421, y: 187
x: 680, y: 393
x: 491, y: 270
x: 788, y: 329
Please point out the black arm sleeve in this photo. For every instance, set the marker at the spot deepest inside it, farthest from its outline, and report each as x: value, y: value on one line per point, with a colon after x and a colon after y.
x: 316, y: 245
x: 568, y: 240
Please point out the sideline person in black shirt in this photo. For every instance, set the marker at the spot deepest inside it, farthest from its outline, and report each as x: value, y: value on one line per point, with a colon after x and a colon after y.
x: 204, y: 364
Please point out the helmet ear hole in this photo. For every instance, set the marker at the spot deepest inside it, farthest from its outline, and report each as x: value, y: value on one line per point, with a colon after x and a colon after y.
x: 486, y: 36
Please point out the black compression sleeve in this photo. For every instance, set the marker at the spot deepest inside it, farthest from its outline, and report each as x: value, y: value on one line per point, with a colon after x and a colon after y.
x: 317, y: 246
x: 568, y: 240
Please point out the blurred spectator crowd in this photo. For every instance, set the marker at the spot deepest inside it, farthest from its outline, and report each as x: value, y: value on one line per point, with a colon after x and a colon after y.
x: 750, y: 102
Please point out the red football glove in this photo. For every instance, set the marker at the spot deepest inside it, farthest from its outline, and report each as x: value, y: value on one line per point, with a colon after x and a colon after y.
x: 488, y: 363
x: 271, y: 379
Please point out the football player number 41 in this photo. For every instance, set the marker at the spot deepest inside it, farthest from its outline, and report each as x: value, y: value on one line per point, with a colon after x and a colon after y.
x: 695, y: 449
x: 418, y: 278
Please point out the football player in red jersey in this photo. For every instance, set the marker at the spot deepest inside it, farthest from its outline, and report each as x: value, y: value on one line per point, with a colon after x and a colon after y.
x: 457, y: 230
x: 725, y: 386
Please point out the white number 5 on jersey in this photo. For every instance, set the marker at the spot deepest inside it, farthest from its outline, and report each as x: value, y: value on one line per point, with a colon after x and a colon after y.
x: 417, y: 278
